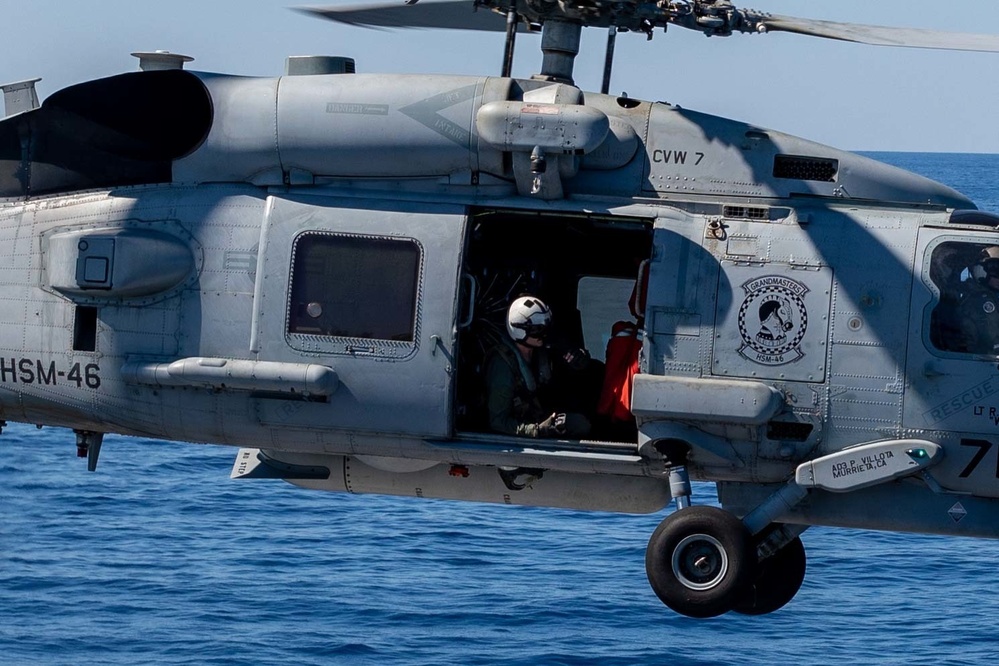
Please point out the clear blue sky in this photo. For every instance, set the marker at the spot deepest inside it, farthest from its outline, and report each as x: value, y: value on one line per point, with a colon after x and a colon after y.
x: 850, y: 96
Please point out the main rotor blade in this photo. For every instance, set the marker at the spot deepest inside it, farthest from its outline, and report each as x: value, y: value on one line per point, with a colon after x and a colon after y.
x: 452, y: 14
x: 642, y: 17
x: 879, y: 35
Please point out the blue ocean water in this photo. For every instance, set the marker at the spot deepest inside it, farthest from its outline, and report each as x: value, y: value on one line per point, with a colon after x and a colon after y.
x: 158, y: 558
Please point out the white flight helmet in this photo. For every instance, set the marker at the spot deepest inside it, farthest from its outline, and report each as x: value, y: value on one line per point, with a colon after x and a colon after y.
x: 988, y: 264
x: 528, y: 317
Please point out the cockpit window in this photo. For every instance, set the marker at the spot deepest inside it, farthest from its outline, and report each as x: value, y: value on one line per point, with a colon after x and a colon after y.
x: 122, y: 130
x: 966, y: 316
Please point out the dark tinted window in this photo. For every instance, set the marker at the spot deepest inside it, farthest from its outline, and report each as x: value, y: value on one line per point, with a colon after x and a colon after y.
x: 85, y: 329
x: 965, y: 318
x: 354, y: 287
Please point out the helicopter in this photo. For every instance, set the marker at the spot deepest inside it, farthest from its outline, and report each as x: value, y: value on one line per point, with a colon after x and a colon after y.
x: 313, y: 269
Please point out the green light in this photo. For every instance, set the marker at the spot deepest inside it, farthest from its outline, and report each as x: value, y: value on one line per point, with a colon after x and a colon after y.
x: 917, y: 454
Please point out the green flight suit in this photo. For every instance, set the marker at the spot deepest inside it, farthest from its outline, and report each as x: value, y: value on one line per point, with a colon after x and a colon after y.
x: 511, y: 393
x: 512, y: 399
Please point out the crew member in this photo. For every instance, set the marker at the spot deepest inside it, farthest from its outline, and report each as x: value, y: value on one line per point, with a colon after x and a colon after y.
x: 516, y: 368
x: 978, y: 311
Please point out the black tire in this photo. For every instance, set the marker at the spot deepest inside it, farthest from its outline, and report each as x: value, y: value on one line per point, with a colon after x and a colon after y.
x: 700, y: 561
x: 778, y: 579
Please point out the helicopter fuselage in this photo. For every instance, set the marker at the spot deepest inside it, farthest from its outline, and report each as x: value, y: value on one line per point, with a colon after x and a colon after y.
x: 304, y: 267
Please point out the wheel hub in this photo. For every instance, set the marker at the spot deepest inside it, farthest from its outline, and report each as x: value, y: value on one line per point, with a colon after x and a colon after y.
x: 699, y: 562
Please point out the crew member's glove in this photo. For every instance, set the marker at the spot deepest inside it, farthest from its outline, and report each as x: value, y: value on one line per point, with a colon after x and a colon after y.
x: 576, y: 359
x: 553, y: 426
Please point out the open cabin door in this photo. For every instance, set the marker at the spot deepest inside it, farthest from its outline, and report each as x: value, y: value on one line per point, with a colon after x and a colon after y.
x: 371, y: 292
x: 585, y: 268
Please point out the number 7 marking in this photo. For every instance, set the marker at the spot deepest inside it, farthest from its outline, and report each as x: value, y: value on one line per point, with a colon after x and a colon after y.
x: 984, y: 446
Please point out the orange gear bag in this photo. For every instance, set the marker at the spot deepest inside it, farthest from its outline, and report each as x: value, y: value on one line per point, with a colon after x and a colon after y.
x: 623, y: 350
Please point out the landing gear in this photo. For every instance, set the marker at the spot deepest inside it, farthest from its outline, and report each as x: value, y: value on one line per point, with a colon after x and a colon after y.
x: 701, y: 561
x: 704, y: 561
x: 778, y: 579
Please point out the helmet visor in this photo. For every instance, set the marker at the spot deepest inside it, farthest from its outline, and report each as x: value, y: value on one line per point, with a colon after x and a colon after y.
x: 991, y: 267
x: 537, y: 331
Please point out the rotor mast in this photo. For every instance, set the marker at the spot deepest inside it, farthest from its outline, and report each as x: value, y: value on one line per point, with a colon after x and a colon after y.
x: 559, y: 47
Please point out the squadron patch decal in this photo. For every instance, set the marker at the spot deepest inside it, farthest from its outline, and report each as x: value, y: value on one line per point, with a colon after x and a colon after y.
x: 773, y: 320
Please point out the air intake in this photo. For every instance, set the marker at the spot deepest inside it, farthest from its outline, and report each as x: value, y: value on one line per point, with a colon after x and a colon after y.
x: 746, y: 212
x: 806, y: 168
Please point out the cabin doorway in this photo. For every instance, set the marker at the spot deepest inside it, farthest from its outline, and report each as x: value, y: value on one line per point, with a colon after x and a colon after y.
x: 588, y: 269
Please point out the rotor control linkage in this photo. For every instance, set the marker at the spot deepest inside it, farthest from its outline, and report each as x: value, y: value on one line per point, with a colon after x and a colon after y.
x: 88, y: 445
x: 511, y: 40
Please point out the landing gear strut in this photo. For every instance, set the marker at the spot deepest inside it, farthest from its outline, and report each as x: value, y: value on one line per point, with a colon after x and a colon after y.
x: 703, y: 561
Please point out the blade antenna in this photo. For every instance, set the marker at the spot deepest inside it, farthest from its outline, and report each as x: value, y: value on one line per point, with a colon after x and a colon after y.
x: 609, y: 59
x: 512, y: 19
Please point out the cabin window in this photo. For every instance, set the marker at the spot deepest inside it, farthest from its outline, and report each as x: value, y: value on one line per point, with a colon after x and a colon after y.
x: 965, y: 318
x: 354, y: 287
